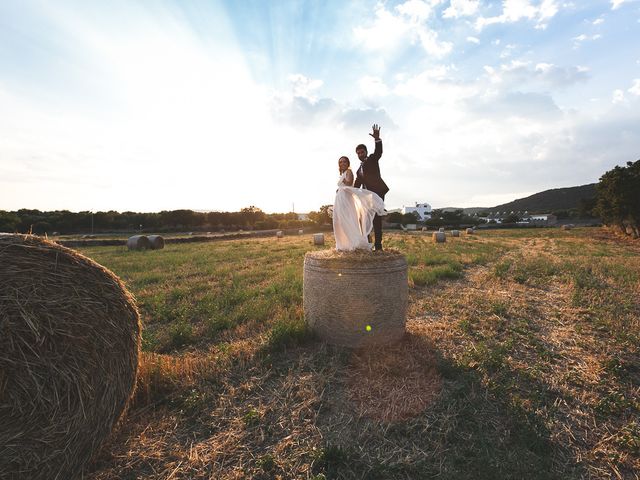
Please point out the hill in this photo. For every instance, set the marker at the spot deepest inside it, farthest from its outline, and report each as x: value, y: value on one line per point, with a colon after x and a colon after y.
x: 550, y: 200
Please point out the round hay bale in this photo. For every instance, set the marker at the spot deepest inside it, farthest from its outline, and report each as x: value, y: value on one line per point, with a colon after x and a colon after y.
x: 439, y: 237
x: 138, y: 242
x: 441, y: 229
x: 156, y: 242
x: 455, y: 233
x: 470, y: 231
x: 70, y: 342
x: 568, y: 226
x: 355, y: 298
x: 318, y: 238
x: 279, y: 234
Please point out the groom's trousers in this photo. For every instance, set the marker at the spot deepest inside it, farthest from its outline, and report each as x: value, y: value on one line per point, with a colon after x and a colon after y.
x: 377, y: 229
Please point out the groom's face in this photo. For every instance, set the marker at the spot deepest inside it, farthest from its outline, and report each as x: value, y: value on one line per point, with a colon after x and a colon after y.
x: 362, y: 154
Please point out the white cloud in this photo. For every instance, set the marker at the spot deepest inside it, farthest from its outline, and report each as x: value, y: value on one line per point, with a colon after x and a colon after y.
x: 518, y: 73
x: 618, y: 96
x: 429, y: 41
x: 635, y: 88
x: 615, y: 4
x: 598, y: 21
x: 303, y: 86
x: 473, y: 40
x: 577, y: 41
x: 417, y: 10
x: 373, y: 87
x: 508, y: 50
x: 407, y: 25
x: 516, y: 10
x: 461, y: 8
x: 435, y: 86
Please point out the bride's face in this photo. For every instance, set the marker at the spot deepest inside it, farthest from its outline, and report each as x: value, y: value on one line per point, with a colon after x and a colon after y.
x: 343, y: 164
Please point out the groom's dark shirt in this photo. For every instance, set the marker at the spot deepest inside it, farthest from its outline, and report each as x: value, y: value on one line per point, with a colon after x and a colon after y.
x: 368, y: 174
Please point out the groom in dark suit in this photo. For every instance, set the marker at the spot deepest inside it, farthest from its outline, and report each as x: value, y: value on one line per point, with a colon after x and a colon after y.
x: 368, y: 177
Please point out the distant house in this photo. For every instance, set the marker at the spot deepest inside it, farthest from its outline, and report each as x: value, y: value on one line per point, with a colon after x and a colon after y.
x: 303, y: 216
x: 422, y: 209
x: 543, y: 218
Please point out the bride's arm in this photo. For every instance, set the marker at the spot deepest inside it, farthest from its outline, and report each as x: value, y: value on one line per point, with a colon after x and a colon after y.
x: 348, y: 178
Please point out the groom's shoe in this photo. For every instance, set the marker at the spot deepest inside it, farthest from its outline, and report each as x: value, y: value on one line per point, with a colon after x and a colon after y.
x: 377, y: 248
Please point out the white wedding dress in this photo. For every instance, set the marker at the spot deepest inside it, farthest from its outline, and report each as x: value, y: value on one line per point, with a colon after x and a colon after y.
x: 353, y: 212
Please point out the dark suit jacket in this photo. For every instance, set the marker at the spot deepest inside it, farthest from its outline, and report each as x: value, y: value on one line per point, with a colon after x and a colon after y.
x: 368, y: 175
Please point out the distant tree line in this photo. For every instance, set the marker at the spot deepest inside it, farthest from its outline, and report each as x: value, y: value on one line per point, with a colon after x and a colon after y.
x: 66, y: 222
x: 618, y: 200
x: 439, y: 218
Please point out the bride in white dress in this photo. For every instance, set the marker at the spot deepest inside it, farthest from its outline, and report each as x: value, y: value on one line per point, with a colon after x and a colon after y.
x: 353, y: 211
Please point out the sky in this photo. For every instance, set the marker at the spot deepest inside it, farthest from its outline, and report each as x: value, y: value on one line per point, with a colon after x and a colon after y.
x: 219, y: 105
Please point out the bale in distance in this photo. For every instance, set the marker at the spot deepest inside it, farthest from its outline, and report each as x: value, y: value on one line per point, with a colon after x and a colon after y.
x: 439, y: 237
x: 441, y: 229
x: 470, y: 231
x: 455, y: 233
x: 279, y: 234
x: 300, y: 232
x: 156, y: 242
x: 70, y: 342
x: 318, y: 238
x: 357, y: 298
x: 138, y: 242
x: 568, y: 226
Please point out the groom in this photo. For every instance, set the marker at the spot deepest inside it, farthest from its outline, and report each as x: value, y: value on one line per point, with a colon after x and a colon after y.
x: 368, y: 177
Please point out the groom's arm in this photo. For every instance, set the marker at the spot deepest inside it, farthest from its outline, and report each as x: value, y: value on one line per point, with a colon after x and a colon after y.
x: 377, y: 153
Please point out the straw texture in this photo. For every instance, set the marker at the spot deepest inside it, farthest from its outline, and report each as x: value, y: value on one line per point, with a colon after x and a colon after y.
x: 156, y: 242
x: 138, y: 242
x: 69, y: 349
x: 355, y: 299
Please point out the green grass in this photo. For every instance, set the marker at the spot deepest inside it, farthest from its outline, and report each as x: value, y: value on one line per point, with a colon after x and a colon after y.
x: 535, y: 335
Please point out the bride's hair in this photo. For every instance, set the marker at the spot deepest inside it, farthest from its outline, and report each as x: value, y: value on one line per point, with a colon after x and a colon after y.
x: 348, y: 162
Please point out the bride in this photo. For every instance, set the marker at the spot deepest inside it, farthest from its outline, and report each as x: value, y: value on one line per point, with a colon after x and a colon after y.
x: 353, y: 211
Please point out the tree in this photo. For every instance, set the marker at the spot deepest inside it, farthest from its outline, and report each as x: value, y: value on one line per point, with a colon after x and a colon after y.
x: 394, y: 217
x: 9, y: 221
x: 321, y: 217
x: 511, y: 218
x: 410, y: 217
x: 618, y: 200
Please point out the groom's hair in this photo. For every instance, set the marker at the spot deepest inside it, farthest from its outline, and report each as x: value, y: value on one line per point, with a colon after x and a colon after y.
x: 363, y: 146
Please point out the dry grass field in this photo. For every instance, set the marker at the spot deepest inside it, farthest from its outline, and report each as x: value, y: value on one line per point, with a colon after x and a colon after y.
x: 521, y: 361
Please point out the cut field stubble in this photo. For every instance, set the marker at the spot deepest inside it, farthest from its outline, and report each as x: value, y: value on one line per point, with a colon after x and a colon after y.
x: 529, y: 360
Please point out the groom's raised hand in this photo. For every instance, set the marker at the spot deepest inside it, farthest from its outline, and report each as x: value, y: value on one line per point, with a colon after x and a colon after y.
x: 376, y: 132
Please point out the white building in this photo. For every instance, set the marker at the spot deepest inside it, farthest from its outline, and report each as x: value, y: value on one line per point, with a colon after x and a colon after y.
x: 422, y: 209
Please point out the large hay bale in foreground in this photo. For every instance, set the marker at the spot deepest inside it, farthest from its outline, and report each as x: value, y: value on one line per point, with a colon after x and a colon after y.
x: 318, y: 238
x: 439, y: 237
x: 355, y: 298
x: 138, y: 242
x: 156, y: 242
x: 69, y: 348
